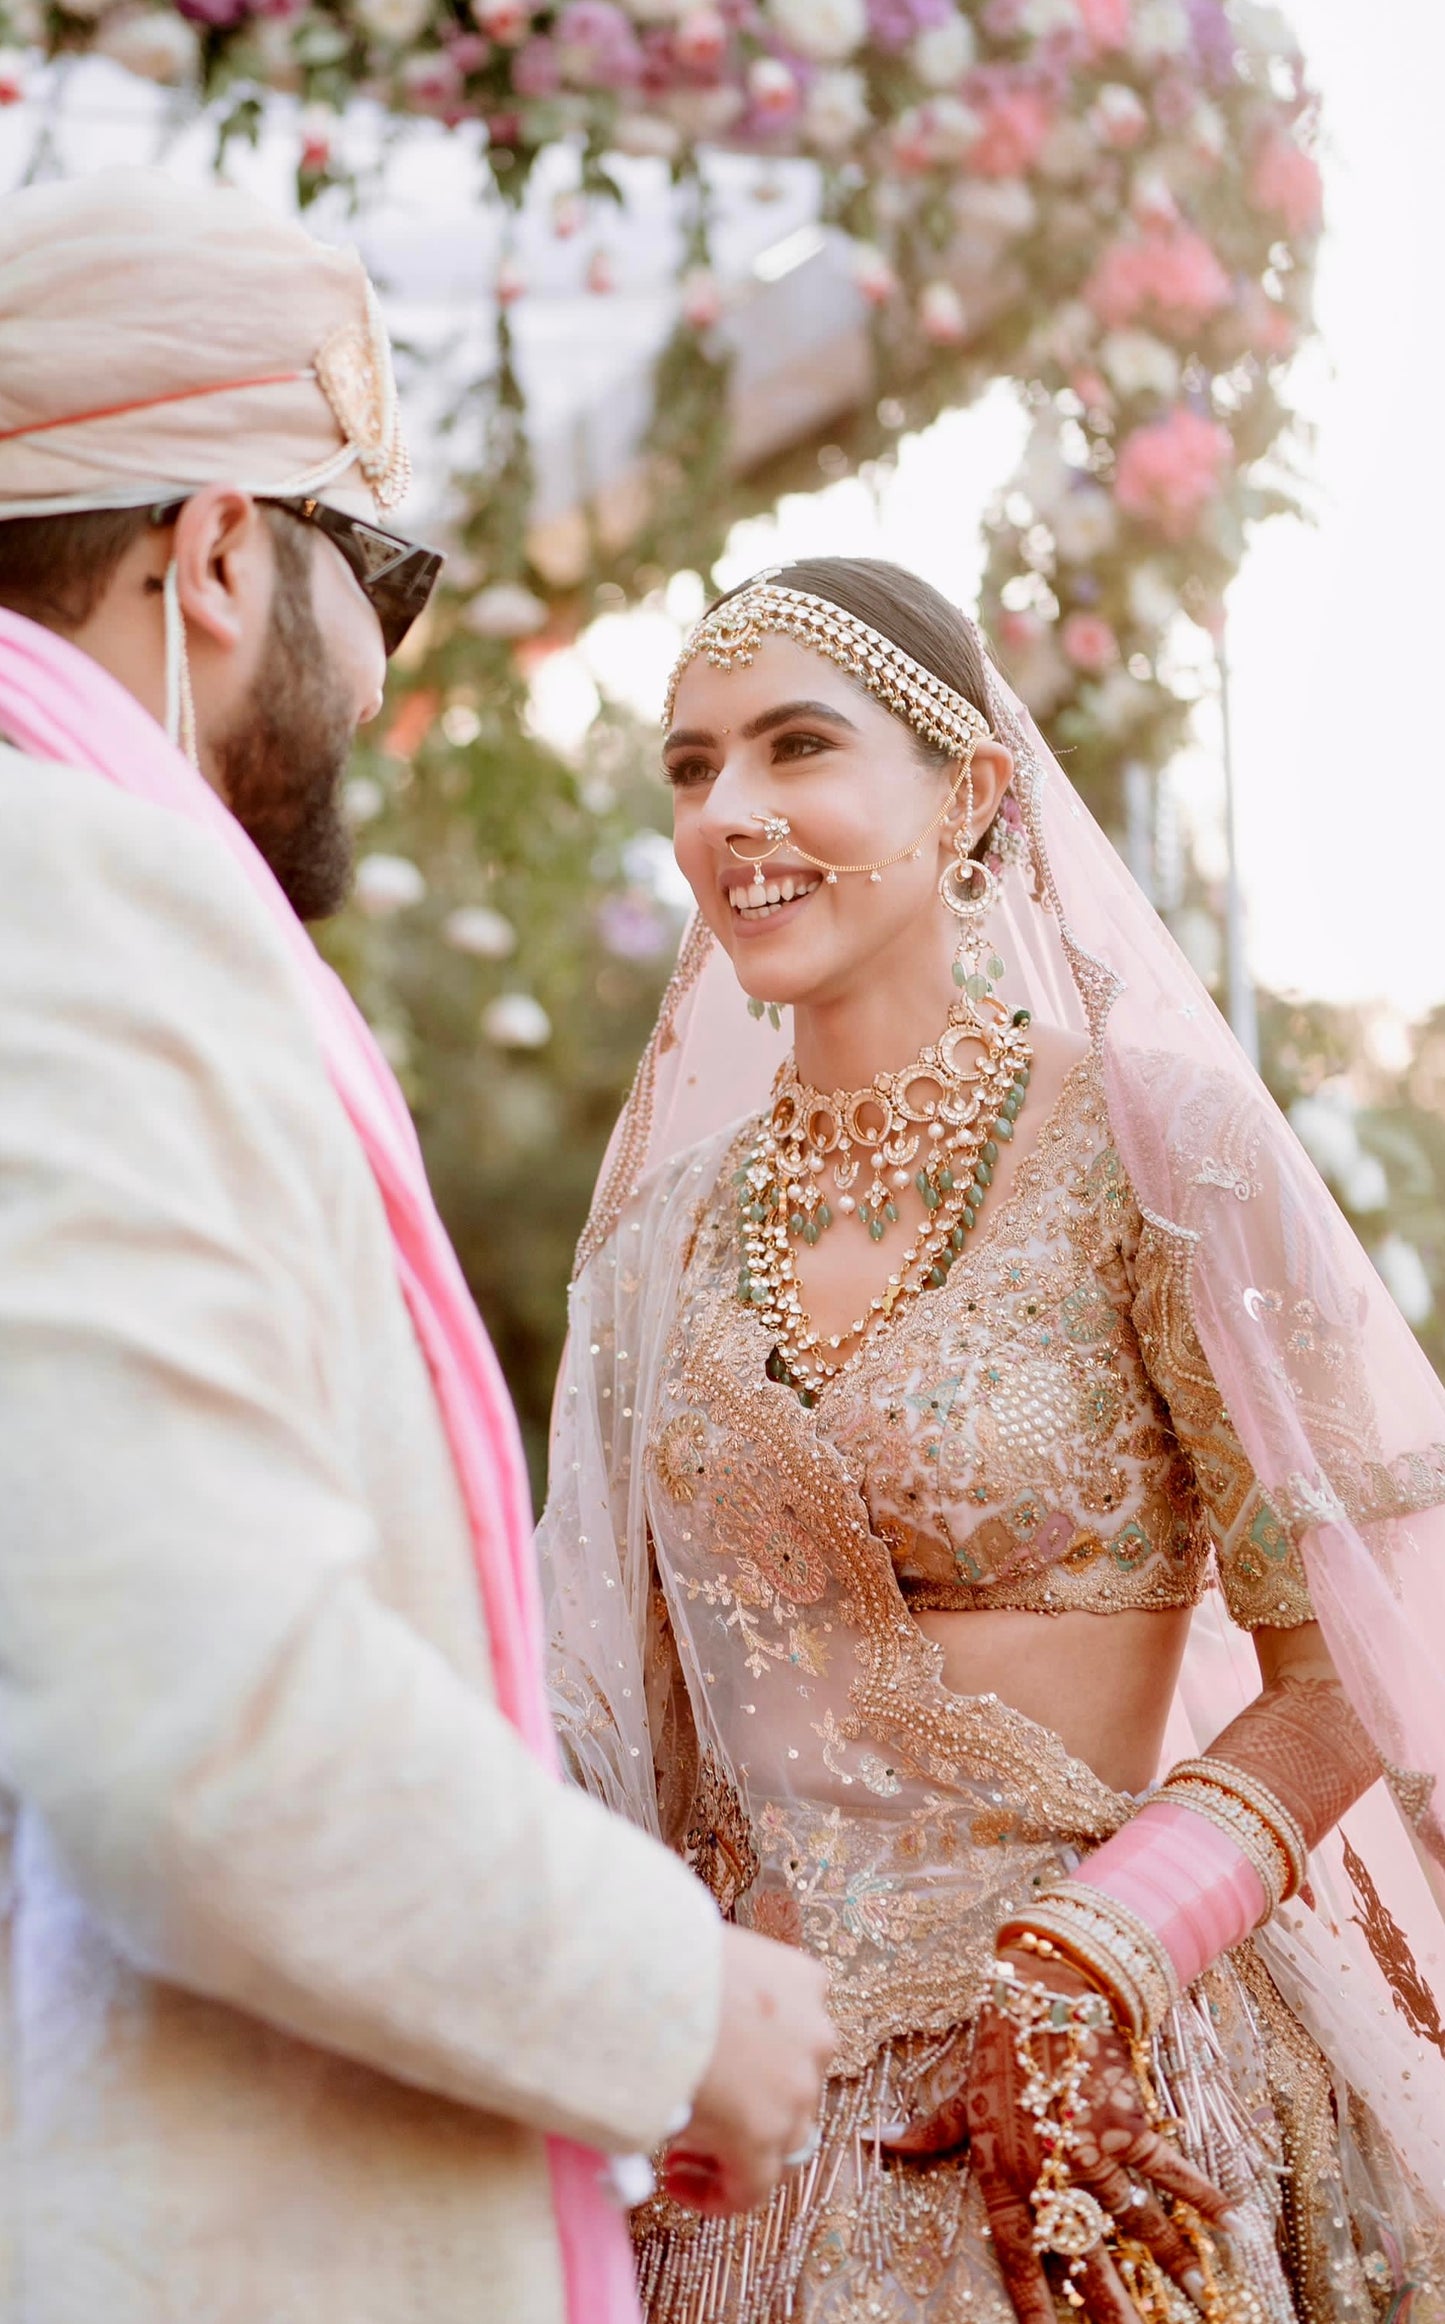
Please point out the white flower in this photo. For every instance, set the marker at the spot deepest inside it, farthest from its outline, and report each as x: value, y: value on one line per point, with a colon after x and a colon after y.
x: 836, y: 113
x: 1151, y: 198
x: 386, y: 884
x: 153, y: 42
x: 1084, y: 524
x: 1153, y: 599
x: 1267, y: 31
x: 1402, y: 1271
x: 364, y: 799
x: 1118, y: 115
x: 1136, y: 363
x: 396, y: 22
x: 1325, y: 1127
x: 1206, y: 132
x: 701, y: 39
x: 1364, y: 1186
x: 516, y: 1021
x: 940, y: 315
x: 1119, y: 703
x: 998, y: 206
x: 1067, y: 336
x: 505, y: 609
x: 479, y: 931
x: 1040, y: 18
x: 873, y: 273
x: 1160, y: 28
x: 942, y: 53
x: 646, y: 135
x: 827, y: 31
x: 701, y: 298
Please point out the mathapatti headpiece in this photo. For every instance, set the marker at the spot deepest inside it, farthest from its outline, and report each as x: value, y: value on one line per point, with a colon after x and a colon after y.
x: 730, y: 636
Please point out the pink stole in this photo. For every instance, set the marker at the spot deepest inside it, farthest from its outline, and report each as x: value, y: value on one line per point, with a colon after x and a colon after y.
x: 58, y: 704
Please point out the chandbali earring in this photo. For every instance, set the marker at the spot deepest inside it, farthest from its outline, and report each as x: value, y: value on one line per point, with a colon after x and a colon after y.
x: 970, y: 891
x: 768, y: 1009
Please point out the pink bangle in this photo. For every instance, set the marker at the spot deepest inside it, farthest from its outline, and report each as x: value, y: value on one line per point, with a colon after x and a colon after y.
x: 1185, y: 1879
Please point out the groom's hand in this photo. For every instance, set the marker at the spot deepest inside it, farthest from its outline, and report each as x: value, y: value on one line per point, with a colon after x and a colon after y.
x: 758, y: 2101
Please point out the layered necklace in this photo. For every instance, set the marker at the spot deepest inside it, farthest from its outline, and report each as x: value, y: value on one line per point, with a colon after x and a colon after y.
x: 938, y: 1124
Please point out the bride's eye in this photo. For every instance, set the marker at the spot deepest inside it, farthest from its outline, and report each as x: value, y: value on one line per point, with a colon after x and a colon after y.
x: 798, y: 746
x: 685, y: 774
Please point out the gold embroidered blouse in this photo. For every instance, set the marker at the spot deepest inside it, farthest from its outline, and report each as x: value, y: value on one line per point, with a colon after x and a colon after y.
x: 1043, y: 1432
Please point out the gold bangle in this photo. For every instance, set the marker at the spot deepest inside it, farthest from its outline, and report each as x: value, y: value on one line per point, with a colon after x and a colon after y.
x: 1098, y: 1948
x: 1092, y: 1961
x: 1249, y: 1832
x: 1122, y: 1937
x: 1225, y: 1777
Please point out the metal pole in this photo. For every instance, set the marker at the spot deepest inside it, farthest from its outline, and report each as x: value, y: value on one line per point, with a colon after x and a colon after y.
x: 1243, y: 1015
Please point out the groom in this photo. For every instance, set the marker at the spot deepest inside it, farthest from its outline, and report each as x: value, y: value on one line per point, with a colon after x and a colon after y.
x: 320, y: 1991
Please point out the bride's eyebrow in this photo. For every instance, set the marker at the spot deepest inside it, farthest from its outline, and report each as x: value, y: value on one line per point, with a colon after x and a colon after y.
x: 699, y: 738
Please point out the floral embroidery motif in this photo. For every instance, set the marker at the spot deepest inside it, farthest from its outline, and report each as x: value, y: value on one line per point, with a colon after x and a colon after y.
x: 678, y: 1458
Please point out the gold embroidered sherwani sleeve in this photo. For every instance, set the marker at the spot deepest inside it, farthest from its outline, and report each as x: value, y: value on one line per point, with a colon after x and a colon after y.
x: 263, y: 1779
x: 1261, y: 1571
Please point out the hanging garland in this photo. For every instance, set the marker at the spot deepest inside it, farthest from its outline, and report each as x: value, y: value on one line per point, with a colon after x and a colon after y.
x: 1112, y: 202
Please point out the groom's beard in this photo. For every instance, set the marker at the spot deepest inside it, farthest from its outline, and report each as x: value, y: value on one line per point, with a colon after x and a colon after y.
x: 283, y: 766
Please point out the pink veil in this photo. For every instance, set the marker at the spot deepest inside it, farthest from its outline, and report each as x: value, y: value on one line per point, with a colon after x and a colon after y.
x: 1333, y: 1400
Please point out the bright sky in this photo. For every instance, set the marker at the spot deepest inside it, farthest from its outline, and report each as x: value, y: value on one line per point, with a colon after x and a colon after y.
x: 1337, y: 631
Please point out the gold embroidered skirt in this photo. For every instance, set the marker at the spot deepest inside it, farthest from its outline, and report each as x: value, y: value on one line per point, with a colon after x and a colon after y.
x: 1328, y: 2228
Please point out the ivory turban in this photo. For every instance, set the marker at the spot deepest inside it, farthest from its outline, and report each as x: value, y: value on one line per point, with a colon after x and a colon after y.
x: 160, y: 336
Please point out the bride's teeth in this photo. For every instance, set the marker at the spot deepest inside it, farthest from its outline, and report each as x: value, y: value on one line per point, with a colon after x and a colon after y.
x: 785, y: 891
x: 773, y: 893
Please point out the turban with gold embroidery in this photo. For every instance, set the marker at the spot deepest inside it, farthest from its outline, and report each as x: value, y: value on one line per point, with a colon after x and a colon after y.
x: 158, y: 336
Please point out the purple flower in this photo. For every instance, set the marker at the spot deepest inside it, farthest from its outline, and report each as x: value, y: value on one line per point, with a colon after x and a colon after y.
x: 631, y: 926
x: 1213, y: 41
x: 894, y: 22
x: 216, y: 15
x: 596, y: 45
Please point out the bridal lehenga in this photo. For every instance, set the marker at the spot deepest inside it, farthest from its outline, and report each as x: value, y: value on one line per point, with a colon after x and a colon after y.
x: 1158, y: 1374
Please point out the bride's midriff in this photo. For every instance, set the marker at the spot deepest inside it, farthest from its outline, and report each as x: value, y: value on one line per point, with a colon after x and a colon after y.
x: 1101, y: 1682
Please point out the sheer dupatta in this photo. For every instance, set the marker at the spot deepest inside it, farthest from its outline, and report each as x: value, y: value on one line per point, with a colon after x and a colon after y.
x: 1340, y: 1414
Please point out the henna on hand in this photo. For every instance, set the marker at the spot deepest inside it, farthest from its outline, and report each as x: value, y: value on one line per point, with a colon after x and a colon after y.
x: 1119, y: 2155
x: 1304, y: 1740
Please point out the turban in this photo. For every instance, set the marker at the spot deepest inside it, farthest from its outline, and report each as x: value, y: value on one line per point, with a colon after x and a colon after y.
x: 160, y: 336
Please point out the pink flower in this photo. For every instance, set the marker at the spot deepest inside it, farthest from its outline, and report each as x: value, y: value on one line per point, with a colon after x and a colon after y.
x: 468, y: 51
x: 1169, y: 275
x: 1265, y: 327
x: 1105, y: 22
x: 601, y: 274
x: 1018, y: 631
x: 596, y: 45
x: 508, y: 21
x: 773, y: 90
x: 1168, y: 471
x: 1092, y: 390
x: 1089, y: 643
x: 941, y: 316
x: 535, y: 69
x: 874, y: 275
x: 12, y: 76
x: 1014, y: 126
x: 510, y: 283
x: 1285, y: 181
x: 430, y: 81
x: 700, y: 41
x: 701, y: 298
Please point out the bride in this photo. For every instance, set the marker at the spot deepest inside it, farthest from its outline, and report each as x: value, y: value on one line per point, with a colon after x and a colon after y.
x: 951, y: 1404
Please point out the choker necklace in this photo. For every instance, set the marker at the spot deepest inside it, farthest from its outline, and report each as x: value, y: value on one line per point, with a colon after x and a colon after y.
x: 953, y: 1107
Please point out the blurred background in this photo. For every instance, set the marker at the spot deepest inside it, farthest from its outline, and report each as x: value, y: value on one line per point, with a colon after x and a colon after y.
x: 1109, y: 316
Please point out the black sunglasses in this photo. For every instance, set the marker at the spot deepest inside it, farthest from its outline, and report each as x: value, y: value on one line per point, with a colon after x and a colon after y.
x: 397, y: 575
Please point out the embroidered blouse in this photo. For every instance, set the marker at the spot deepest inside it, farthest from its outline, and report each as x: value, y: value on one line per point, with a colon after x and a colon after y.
x: 1043, y: 1432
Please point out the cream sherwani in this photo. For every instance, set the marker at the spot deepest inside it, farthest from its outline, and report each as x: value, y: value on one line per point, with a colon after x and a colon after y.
x: 303, y: 1951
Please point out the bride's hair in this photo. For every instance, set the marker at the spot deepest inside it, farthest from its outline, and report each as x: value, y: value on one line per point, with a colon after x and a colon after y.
x: 909, y: 612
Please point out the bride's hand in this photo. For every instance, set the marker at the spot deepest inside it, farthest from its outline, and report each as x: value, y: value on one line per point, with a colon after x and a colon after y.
x: 1119, y: 2156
